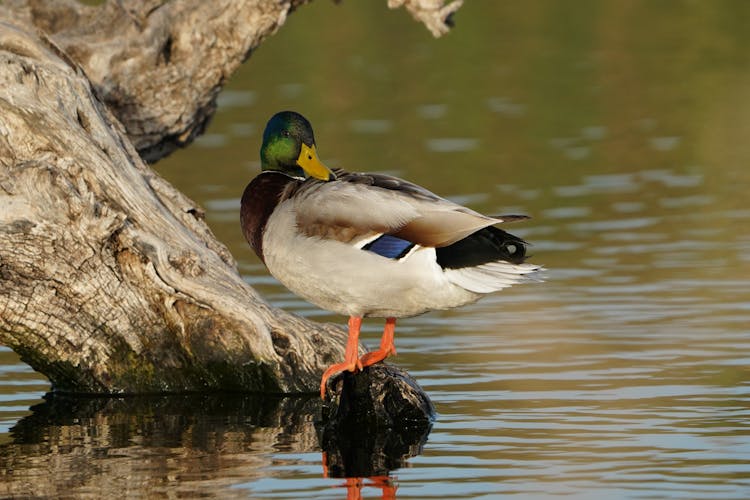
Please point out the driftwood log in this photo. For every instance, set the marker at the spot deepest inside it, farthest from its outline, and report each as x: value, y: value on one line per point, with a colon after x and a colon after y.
x: 110, y: 280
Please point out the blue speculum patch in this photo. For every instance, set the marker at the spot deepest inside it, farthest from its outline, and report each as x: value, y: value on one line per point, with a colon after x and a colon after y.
x: 389, y: 246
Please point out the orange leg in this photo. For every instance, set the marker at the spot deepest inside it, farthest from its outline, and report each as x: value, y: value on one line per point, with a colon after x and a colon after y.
x: 351, y: 361
x: 386, y: 345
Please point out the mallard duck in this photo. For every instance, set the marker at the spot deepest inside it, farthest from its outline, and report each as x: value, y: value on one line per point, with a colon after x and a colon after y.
x: 362, y: 244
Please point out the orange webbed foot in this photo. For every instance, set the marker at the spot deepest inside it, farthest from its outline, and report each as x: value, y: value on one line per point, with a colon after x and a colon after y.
x: 338, y: 367
x: 373, y: 357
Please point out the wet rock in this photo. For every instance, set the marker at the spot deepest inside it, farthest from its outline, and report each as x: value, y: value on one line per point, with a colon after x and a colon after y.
x: 372, y: 421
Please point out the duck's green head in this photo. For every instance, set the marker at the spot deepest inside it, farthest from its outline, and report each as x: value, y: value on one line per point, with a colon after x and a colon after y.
x: 289, y: 147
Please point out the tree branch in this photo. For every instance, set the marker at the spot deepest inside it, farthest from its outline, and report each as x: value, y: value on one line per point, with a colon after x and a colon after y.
x: 437, y: 17
x: 159, y: 65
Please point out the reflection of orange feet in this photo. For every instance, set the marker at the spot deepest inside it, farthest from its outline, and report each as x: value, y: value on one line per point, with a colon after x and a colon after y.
x: 353, y: 488
x: 351, y: 361
x: 386, y: 345
x: 385, y: 483
x: 389, y: 492
x: 324, y: 460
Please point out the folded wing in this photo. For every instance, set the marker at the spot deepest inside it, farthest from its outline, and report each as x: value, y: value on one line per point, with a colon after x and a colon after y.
x: 359, y: 205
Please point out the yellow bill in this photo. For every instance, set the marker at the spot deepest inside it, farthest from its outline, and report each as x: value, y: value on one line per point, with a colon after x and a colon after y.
x: 308, y: 160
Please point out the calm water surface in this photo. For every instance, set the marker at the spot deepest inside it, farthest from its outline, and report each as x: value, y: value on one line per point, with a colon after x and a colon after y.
x: 620, y: 126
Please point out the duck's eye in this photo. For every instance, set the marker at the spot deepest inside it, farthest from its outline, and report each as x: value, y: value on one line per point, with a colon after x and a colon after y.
x: 309, y: 157
x: 285, y: 133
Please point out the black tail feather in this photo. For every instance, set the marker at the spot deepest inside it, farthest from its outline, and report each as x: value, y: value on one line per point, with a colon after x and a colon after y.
x: 486, y: 245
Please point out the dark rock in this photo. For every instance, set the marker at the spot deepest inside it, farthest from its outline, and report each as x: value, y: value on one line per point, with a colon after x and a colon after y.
x: 372, y: 421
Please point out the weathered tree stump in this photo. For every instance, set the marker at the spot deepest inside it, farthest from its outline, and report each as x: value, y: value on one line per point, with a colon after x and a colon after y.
x: 110, y: 280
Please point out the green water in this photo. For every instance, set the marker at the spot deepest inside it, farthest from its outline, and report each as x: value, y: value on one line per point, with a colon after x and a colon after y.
x: 621, y: 126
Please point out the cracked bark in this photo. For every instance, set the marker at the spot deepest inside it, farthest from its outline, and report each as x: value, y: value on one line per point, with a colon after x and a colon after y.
x: 110, y: 280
